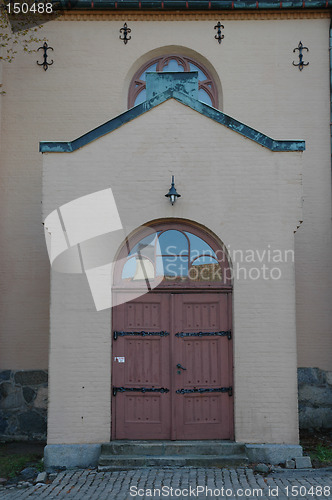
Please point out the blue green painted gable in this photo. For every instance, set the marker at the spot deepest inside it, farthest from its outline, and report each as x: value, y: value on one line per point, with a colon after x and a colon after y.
x: 183, y: 87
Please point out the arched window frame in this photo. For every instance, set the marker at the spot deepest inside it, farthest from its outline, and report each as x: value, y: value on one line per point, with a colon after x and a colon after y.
x: 225, y: 284
x: 137, y: 85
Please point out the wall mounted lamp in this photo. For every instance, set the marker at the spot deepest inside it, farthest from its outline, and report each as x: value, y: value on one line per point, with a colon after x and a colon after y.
x: 172, y: 193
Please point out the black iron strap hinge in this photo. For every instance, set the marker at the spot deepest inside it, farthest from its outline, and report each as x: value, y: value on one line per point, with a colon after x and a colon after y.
x: 117, y: 334
x: 139, y: 389
x: 227, y: 333
x: 201, y: 391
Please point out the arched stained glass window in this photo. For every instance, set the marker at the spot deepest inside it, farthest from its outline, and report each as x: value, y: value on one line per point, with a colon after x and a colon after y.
x: 207, y: 89
x: 175, y: 255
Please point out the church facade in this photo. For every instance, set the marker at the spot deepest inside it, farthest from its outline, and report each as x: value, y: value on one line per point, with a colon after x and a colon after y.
x: 200, y: 316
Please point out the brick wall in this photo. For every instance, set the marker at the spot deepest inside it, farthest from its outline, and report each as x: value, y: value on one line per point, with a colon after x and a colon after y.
x: 260, y: 87
x: 241, y: 179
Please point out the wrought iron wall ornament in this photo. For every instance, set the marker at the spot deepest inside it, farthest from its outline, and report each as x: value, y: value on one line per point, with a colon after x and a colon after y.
x: 300, y: 48
x: 125, y: 30
x: 45, y: 63
x: 219, y: 36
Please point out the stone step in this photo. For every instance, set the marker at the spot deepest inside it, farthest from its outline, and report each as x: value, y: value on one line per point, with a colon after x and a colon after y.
x: 127, y: 462
x: 168, y: 448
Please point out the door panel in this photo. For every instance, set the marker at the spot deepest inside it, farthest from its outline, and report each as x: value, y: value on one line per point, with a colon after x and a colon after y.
x: 141, y: 413
x: 202, y: 410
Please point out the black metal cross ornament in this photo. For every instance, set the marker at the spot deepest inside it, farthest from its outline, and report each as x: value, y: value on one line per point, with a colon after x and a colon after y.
x: 45, y: 63
x: 219, y: 36
x: 300, y: 48
x: 125, y: 30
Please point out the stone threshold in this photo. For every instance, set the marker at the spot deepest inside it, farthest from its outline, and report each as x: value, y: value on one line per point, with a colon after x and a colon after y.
x: 124, y: 455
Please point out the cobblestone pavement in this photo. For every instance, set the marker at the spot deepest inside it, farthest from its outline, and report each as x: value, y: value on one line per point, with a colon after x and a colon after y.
x: 241, y: 483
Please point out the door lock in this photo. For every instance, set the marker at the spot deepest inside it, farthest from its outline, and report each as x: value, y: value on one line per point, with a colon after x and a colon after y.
x: 180, y: 367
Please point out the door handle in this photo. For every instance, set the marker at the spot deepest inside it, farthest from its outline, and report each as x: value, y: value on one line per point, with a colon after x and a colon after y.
x: 180, y: 367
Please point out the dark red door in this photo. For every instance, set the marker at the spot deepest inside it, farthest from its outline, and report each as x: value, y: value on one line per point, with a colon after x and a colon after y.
x: 141, y: 402
x: 202, y: 366
x: 172, y: 367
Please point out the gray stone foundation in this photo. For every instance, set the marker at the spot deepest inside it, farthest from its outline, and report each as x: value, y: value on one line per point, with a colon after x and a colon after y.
x: 69, y: 456
x: 273, y: 453
x: 315, y: 398
x: 23, y: 404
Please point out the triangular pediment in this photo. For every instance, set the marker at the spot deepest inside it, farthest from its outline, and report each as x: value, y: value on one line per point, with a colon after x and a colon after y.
x: 181, y: 88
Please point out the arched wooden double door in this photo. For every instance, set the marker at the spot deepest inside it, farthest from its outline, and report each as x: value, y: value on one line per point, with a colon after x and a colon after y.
x: 172, y: 367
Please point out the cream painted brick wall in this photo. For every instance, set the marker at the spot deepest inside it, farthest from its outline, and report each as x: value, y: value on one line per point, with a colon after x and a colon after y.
x: 239, y: 178
x: 80, y: 385
x: 88, y: 84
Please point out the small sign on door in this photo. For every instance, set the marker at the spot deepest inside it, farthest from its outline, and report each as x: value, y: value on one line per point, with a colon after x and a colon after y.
x: 119, y: 359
